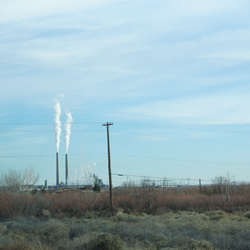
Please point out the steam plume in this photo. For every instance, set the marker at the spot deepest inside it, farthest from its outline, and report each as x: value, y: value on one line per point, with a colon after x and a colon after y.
x: 58, y: 129
x: 68, y: 130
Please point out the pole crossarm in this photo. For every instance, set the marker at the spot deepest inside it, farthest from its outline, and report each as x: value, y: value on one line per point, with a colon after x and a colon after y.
x: 107, y: 124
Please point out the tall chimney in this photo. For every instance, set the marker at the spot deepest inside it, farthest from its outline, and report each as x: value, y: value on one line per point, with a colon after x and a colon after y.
x: 66, y: 169
x: 57, y: 169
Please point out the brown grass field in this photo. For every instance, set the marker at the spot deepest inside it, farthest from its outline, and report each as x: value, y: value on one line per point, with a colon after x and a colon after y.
x: 132, y: 200
x: 146, y: 217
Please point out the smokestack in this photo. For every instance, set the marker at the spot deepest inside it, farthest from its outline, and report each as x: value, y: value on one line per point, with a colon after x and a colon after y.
x: 66, y: 169
x: 57, y: 169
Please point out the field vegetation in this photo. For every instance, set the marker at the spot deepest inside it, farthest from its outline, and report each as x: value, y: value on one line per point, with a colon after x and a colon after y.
x: 145, y: 217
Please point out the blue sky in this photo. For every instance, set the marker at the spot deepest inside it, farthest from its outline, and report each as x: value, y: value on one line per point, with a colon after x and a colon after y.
x: 173, y: 77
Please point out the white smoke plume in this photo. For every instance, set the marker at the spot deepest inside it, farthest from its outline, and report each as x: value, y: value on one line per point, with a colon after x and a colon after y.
x: 84, y: 175
x: 58, y: 129
x: 68, y: 130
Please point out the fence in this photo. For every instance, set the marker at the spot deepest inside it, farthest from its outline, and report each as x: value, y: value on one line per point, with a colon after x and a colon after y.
x: 171, y: 231
x: 167, y: 238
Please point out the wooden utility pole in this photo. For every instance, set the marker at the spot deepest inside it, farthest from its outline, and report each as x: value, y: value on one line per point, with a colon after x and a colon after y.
x: 109, y: 166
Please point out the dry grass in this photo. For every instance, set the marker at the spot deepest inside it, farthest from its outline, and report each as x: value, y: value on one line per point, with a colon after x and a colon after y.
x: 180, y: 230
x: 135, y: 200
x: 77, y: 220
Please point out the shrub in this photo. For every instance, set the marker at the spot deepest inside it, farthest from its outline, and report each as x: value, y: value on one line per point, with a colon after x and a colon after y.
x: 6, y: 202
x: 199, y: 245
x: 105, y: 242
x: 18, y: 245
x: 247, y: 214
x: 215, y: 214
x: 136, y: 200
x: 97, y: 188
x: 52, y: 232
x: 95, y: 241
x: 77, y: 230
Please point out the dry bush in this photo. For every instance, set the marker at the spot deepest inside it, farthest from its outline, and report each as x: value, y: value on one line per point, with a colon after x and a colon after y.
x: 52, y: 233
x: 96, y: 241
x: 136, y: 200
x: 240, y: 202
x: 15, y: 181
x: 18, y: 245
x: 25, y: 204
x: 188, y: 230
x: 69, y: 204
x: 155, y: 201
x: 105, y: 242
x: 38, y: 233
x: 247, y: 214
x: 77, y: 203
x: 198, y: 245
x: 15, y: 238
x: 101, y: 202
x: 125, y: 202
x: 6, y: 205
x: 22, y: 204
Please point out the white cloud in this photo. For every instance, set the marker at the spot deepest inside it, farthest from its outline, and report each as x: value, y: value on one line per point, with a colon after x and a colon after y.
x: 210, y: 109
x: 229, y: 57
x: 203, y: 7
x: 135, y: 53
x: 145, y: 64
x: 229, y: 47
x: 14, y: 10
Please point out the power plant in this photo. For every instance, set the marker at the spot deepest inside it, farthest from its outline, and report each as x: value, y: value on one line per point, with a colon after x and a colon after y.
x: 58, y: 130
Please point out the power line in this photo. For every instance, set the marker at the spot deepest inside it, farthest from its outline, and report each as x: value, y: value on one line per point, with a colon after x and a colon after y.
x: 183, y: 160
x: 171, y: 179
x: 159, y: 178
x: 134, y: 124
x: 45, y: 155
x: 126, y: 155
x: 41, y: 123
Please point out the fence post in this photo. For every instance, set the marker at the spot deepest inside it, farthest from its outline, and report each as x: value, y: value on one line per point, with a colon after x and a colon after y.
x: 223, y: 241
x: 123, y: 231
x: 169, y: 236
x: 146, y: 235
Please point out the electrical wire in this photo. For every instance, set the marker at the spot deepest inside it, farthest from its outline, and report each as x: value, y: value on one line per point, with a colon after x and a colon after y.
x: 183, y: 160
x: 136, y: 156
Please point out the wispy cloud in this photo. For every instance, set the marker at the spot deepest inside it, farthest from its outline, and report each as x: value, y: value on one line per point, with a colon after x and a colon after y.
x: 143, y: 50
x: 14, y: 10
x: 144, y: 64
x: 229, y: 57
x: 221, y: 108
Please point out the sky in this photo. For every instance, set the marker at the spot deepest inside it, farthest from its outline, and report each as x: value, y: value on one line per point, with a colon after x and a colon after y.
x: 172, y: 77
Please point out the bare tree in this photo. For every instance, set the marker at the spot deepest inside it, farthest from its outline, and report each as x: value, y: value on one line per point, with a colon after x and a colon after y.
x: 14, y: 181
x: 222, y: 185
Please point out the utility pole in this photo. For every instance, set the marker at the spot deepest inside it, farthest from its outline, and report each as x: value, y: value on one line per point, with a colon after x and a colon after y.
x: 109, y: 166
